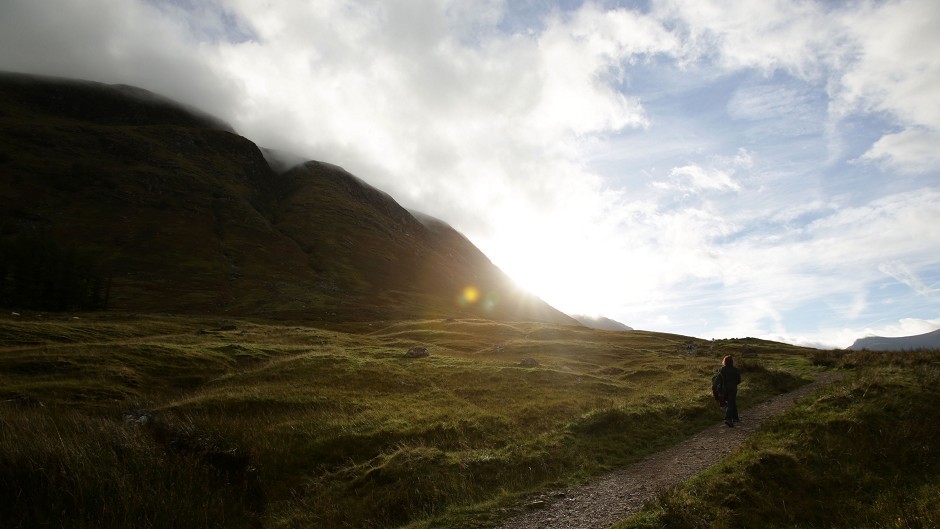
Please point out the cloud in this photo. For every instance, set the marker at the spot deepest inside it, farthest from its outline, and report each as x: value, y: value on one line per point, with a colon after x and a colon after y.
x: 893, y: 66
x: 127, y: 42
x: 579, y: 57
x: 497, y: 114
x: 205, y: 21
x: 903, y: 274
x: 840, y: 338
x: 694, y: 178
x: 743, y: 159
x: 900, y: 328
x: 912, y: 150
x: 771, y: 35
x: 894, y: 70
x: 780, y: 109
x: 874, y: 57
x: 789, y: 283
x: 894, y: 225
x: 845, y: 250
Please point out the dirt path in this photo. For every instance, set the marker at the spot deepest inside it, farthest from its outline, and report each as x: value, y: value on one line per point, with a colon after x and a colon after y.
x: 620, y: 494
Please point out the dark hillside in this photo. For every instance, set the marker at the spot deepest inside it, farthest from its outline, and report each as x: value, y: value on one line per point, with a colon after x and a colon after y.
x: 158, y: 207
x: 378, y: 260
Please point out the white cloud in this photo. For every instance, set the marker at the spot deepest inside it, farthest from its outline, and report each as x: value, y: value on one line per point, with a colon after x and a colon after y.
x: 846, y: 250
x: 497, y: 115
x: 914, y: 150
x: 876, y: 58
x: 578, y: 58
x: 695, y: 178
x: 896, y: 225
x: 903, y: 327
x: 768, y: 35
x: 903, y: 274
x: 126, y: 42
x: 743, y: 159
x: 840, y: 338
x: 779, y: 109
x: 894, y: 69
x: 206, y: 21
x: 894, y: 66
x: 829, y: 270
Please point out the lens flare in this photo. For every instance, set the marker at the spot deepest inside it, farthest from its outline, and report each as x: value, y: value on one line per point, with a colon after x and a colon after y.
x: 489, y: 304
x: 468, y: 296
x: 471, y: 294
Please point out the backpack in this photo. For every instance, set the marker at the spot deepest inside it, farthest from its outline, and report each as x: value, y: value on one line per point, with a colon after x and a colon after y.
x: 718, y: 389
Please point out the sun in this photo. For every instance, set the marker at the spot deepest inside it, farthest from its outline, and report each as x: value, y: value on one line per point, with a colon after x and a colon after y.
x: 574, y: 282
x: 577, y: 263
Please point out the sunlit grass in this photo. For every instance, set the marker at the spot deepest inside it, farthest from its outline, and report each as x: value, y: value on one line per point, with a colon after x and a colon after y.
x: 296, y: 426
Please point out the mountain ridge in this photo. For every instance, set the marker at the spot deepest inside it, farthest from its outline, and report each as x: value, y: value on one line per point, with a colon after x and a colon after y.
x: 601, y: 323
x: 930, y: 340
x: 182, y: 214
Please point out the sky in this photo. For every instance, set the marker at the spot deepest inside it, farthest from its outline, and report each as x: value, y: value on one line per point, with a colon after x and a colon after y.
x: 708, y: 168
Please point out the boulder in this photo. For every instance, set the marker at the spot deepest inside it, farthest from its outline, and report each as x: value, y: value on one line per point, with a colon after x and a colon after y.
x: 417, y: 352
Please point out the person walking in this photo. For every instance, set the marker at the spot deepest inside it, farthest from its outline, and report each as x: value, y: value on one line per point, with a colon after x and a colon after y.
x: 730, y: 378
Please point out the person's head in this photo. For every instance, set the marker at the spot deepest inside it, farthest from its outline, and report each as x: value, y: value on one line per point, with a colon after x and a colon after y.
x: 728, y: 361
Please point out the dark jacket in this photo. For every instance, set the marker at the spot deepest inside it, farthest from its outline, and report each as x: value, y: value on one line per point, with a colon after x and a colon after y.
x: 731, y: 377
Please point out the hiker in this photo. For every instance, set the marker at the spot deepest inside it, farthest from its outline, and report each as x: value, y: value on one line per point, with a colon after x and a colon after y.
x: 730, y: 378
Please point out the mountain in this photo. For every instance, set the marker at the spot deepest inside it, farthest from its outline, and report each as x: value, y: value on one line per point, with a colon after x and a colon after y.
x: 600, y: 323
x: 930, y: 340
x: 112, y: 195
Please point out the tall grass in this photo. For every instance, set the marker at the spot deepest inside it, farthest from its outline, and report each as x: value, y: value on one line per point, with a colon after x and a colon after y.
x: 66, y: 469
x: 255, y: 424
x: 862, y: 454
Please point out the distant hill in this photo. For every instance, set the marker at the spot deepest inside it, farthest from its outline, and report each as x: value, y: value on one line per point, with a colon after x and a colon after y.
x: 930, y: 340
x: 112, y: 195
x: 601, y: 323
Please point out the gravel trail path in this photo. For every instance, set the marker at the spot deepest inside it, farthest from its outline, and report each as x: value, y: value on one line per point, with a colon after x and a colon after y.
x: 612, y: 498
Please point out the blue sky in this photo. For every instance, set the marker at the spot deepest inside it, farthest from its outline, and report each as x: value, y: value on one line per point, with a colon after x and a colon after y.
x: 709, y: 168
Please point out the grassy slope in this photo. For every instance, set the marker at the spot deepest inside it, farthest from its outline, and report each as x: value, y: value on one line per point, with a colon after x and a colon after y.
x: 865, y: 453
x: 287, y: 426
